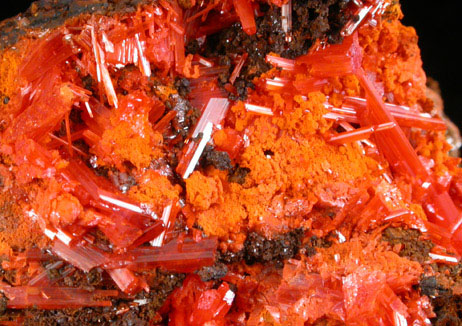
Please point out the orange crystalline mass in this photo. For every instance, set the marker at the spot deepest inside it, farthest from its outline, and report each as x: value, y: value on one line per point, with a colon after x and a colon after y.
x: 131, y: 137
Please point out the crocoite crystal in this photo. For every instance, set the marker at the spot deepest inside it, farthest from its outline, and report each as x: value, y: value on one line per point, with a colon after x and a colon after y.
x: 277, y: 176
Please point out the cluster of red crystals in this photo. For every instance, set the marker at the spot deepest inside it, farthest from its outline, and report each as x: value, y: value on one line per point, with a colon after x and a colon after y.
x: 121, y: 220
x: 339, y: 60
x: 369, y: 300
x: 154, y: 39
x: 197, y: 304
x: 344, y: 59
x: 310, y: 296
x: 205, y: 87
x: 362, y: 297
x: 371, y: 9
x: 336, y: 60
x: 102, y: 72
x: 38, y: 119
x: 403, y: 115
x: 103, y: 45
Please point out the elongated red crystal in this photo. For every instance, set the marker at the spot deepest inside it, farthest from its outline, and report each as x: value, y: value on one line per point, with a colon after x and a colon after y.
x: 335, y: 60
x: 258, y: 109
x: 102, y: 72
x: 38, y: 118
x: 150, y: 233
x: 220, y: 21
x: 51, y: 52
x: 308, y: 85
x: 168, y: 220
x: 42, y: 279
x: 22, y: 297
x: 246, y: 15
x: 402, y: 157
x: 163, y: 123
x: 285, y: 64
x: 237, y: 68
x: 213, y: 114
x: 184, y: 257
x: 360, y: 133
x: 403, y: 115
x: 82, y: 256
x: 127, y: 281
x: 286, y: 19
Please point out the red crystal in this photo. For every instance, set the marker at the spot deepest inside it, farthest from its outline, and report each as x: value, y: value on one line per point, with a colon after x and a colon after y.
x: 127, y: 281
x: 123, y: 220
x: 335, y: 60
x: 38, y: 118
x: 213, y: 114
x: 180, y: 256
x: 359, y: 134
x: 52, y: 51
x: 403, y: 115
x: 42, y: 279
x: 237, y: 68
x: 258, y: 109
x: 196, y: 304
x: 82, y: 256
x: 212, y: 305
x: 47, y: 297
x: 283, y: 63
x: 150, y: 233
x: 246, y: 15
x: 232, y: 144
x: 168, y: 219
x: 102, y: 72
x: 309, y: 296
x: 370, y: 301
x: 216, y: 22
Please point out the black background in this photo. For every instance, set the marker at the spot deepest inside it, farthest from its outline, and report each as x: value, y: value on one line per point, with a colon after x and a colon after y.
x: 438, y: 26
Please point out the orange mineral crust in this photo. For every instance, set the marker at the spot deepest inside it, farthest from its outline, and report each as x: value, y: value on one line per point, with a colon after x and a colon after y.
x: 223, y: 162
